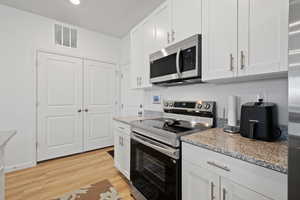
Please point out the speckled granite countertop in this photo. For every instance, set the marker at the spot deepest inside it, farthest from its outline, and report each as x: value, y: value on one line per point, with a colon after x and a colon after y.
x: 129, y: 119
x: 271, y: 155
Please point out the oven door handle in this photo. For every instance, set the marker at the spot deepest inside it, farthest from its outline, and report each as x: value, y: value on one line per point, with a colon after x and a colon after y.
x: 174, y: 153
x: 178, y: 63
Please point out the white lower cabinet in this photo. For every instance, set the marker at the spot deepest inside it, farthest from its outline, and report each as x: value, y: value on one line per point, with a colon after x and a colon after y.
x: 198, y: 183
x: 122, y: 148
x: 233, y: 191
x: 207, y: 175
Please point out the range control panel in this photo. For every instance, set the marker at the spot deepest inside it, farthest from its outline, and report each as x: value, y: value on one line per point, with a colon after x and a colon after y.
x: 196, y: 106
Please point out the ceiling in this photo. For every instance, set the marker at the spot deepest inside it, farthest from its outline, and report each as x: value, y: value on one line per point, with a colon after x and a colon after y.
x: 113, y: 17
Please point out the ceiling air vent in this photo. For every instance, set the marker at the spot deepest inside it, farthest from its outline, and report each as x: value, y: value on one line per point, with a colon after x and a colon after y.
x: 65, y: 36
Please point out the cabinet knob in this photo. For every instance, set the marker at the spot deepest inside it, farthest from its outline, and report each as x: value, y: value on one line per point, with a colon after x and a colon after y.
x: 86, y: 110
x: 79, y: 110
x: 212, y: 195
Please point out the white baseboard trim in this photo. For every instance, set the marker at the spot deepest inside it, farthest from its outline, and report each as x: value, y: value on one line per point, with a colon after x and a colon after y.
x: 19, y: 166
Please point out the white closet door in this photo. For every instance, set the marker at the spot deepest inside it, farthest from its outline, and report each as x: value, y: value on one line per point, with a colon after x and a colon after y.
x: 60, y: 130
x: 99, y: 92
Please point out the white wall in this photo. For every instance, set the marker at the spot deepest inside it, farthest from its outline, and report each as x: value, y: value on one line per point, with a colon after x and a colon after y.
x: 274, y: 91
x: 21, y: 34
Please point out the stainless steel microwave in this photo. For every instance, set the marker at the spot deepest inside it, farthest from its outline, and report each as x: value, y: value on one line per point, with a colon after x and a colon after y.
x: 179, y: 63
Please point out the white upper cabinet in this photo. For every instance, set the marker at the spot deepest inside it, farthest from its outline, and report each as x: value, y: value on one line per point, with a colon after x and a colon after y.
x: 219, y: 36
x: 262, y: 36
x: 148, y: 28
x: 239, y: 37
x: 162, y: 22
x: 151, y: 35
x: 137, y: 57
x: 186, y: 19
x: 243, y: 38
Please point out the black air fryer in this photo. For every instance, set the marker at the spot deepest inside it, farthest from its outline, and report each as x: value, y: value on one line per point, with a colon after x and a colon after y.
x: 259, y: 120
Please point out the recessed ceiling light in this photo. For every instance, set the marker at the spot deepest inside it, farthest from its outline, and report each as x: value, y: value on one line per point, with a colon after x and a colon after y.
x: 75, y: 2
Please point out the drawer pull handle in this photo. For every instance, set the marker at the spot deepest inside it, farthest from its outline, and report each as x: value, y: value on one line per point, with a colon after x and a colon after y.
x: 212, y: 196
x: 224, y: 194
x: 231, y: 62
x: 218, y: 166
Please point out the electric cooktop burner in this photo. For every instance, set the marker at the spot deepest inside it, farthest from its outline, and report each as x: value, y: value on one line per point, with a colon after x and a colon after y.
x: 172, y: 125
x: 168, y: 124
x: 179, y: 119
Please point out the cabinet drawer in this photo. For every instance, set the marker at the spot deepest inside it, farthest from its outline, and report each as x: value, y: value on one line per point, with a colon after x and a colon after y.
x: 265, y: 181
x: 125, y: 128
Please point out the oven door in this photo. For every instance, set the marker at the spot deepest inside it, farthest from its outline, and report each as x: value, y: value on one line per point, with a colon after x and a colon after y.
x: 154, y: 174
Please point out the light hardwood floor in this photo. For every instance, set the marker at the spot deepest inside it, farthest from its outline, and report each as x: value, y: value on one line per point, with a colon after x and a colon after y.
x: 56, y: 177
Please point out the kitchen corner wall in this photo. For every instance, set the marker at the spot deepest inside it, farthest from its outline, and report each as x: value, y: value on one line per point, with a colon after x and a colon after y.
x: 21, y: 35
x: 275, y: 90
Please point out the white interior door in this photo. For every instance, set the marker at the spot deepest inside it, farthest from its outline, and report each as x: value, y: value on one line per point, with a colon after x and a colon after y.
x: 99, y: 92
x: 60, y: 130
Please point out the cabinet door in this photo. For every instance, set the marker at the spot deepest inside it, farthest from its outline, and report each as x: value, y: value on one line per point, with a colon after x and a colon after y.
x: 126, y: 150
x: 162, y: 26
x: 219, y: 39
x: 137, y: 56
x: 199, y: 183
x: 117, y: 148
x: 186, y: 19
x: 263, y: 36
x: 233, y: 191
x: 149, y: 47
x: 130, y: 99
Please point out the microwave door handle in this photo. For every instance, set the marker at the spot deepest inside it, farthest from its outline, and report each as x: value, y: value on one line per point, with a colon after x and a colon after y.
x: 178, y: 63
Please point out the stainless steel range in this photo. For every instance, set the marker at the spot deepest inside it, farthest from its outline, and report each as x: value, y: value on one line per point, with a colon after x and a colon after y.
x: 155, y: 148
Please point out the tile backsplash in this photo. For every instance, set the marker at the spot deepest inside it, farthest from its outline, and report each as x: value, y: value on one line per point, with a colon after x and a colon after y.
x: 273, y: 90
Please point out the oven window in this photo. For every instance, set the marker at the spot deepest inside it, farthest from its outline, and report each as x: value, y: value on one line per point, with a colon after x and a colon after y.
x: 154, y: 167
x: 154, y: 174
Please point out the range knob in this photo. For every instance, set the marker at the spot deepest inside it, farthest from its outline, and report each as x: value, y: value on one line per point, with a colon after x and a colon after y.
x: 166, y: 104
x: 207, y: 106
x: 199, y: 106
